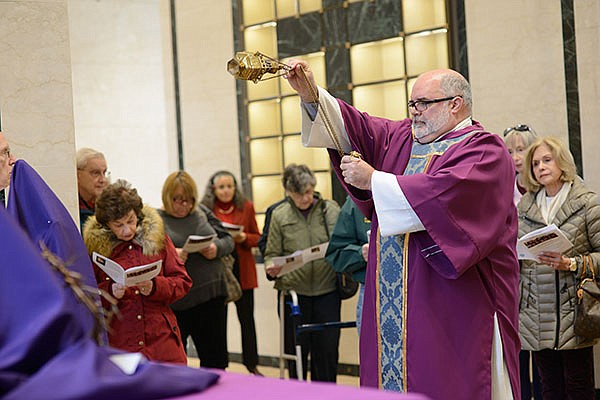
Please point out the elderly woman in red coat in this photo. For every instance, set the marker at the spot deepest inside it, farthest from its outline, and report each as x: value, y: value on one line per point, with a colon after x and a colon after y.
x: 132, y: 234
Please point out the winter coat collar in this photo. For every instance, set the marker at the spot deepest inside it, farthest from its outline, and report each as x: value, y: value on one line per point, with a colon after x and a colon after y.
x: 576, y: 200
x: 150, y: 235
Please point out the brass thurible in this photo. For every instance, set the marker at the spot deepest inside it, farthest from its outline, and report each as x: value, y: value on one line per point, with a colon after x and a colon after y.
x: 250, y: 66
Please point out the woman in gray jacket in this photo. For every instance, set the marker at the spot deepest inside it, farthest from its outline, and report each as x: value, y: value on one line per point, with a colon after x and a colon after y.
x: 556, y: 195
x: 303, y: 221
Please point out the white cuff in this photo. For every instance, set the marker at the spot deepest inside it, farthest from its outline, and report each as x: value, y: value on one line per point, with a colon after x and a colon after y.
x: 394, y: 213
x: 314, y: 133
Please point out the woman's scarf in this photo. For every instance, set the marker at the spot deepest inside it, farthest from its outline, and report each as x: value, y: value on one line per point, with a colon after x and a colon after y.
x: 549, y: 209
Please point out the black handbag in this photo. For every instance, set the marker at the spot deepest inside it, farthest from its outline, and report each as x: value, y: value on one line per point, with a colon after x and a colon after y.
x: 587, y: 310
x: 346, y: 286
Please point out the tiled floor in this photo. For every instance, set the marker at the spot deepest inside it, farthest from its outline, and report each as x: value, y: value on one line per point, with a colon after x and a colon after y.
x: 274, y: 372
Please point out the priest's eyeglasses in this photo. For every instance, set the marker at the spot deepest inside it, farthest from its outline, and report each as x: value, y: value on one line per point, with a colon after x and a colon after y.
x: 422, y: 105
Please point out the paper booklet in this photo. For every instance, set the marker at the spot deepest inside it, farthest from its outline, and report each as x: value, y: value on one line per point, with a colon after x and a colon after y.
x: 126, y: 277
x: 234, y: 230
x: 195, y: 243
x: 548, y: 238
x: 297, y: 259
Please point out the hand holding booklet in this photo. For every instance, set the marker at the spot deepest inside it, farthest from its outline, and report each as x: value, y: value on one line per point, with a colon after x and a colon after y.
x: 233, y: 229
x: 195, y: 243
x: 126, y: 277
x: 548, y: 238
x: 298, y: 258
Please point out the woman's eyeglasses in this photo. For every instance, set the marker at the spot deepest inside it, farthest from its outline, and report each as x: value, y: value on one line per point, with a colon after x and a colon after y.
x: 182, y: 200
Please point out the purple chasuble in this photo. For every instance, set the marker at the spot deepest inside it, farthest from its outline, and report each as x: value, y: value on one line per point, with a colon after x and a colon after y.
x: 459, y: 272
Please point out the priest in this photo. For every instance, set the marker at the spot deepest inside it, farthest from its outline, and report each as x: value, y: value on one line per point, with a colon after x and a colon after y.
x: 440, y: 312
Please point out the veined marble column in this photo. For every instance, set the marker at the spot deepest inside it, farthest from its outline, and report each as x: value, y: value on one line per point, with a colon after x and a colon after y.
x: 36, y: 91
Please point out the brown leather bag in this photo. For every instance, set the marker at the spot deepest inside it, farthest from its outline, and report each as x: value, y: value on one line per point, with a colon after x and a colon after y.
x: 234, y: 290
x: 587, y: 310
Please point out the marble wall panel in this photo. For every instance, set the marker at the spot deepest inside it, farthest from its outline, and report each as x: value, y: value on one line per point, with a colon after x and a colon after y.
x: 337, y: 67
x: 374, y: 20
x: 331, y: 3
x: 335, y: 27
x: 571, y: 81
x: 299, y: 35
x: 36, y: 92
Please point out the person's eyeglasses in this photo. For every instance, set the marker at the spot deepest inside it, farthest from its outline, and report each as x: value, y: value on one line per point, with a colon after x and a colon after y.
x: 422, y: 105
x: 96, y: 173
x: 182, y: 200
x: 518, y: 128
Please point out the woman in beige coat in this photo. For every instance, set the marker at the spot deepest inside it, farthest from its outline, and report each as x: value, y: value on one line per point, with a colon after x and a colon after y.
x: 556, y: 195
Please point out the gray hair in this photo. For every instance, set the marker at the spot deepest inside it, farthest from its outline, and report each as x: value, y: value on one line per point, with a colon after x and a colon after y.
x: 297, y: 178
x: 85, y: 154
x: 454, y: 84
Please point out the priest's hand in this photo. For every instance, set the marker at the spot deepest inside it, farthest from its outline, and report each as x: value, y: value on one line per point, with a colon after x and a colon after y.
x: 297, y: 81
x: 356, y: 172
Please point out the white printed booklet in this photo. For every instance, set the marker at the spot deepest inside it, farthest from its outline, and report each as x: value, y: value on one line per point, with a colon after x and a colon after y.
x: 126, y: 277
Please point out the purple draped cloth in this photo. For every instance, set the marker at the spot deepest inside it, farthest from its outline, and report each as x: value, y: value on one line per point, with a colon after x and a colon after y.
x: 462, y: 270
x: 46, y: 351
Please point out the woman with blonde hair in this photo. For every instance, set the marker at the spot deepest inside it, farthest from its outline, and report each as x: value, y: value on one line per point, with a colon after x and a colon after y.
x: 517, y: 139
x: 556, y: 195
x: 202, y: 314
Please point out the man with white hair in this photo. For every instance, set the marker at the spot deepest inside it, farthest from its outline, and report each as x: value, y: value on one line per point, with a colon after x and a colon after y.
x: 91, y: 180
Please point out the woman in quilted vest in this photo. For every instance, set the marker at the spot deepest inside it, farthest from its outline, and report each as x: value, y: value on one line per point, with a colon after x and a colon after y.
x: 556, y: 195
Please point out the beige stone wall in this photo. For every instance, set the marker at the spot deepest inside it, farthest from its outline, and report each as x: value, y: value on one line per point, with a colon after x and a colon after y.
x: 587, y: 23
x: 208, y: 99
x: 516, y: 68
x: 120, y: 90
x: 35, y: 91
x: 516, y: 64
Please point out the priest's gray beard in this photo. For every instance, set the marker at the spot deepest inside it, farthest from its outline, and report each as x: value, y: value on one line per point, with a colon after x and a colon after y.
x: 424, y: 131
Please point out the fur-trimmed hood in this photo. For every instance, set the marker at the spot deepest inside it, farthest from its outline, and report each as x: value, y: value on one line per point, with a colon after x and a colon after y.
x: 150, y: 235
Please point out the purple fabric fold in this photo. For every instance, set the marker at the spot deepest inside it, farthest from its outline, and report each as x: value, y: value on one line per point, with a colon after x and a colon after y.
x: 46, y: 350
